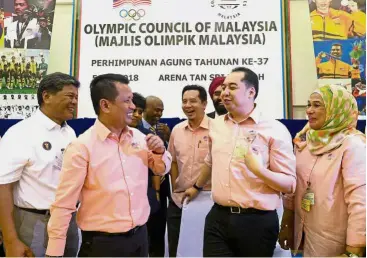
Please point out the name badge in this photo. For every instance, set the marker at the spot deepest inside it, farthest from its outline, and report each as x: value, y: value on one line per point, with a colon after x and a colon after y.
x: 57, y: 165
x: 311, y: 197
x: 306, y: 204
x: 308, y: 200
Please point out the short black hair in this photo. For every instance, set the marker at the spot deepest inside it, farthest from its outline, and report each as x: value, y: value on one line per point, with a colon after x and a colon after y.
x: 337, y: 45
x: 139, y: 101
x: 53, y: 83
x: 250, y: 78
x: 202, y: 92
x: 103, y: 87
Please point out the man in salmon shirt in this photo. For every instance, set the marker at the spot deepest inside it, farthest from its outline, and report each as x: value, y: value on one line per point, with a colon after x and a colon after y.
x: 250, y: 162
x: 188, y: 146
x: 107, y: 169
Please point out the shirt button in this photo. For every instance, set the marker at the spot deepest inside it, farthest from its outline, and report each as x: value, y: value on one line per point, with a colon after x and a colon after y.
x: 132, y: 194
x: 132, y: 211
x: 123, y: 161
x: 229, y: 201
x: 127, y: 177
x: 227, y: 185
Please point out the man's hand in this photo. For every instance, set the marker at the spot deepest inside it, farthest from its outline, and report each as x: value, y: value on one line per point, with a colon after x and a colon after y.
x: 155, y: 144
x: 17, y: 248
x: 190, y: 194
x: 286, y: 235
x: 164, y: 131
x: 253, y: 160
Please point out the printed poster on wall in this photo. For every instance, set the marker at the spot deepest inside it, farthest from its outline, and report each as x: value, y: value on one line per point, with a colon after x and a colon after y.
x: 26, y: 29
x: 161, y: 46
x: 339, y: 36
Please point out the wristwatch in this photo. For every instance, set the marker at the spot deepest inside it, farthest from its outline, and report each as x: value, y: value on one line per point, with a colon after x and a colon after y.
x: 197, y: 187
x: 349, y: 254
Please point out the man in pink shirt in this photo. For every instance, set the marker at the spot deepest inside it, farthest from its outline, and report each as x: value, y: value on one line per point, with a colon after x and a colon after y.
x: 251, y: 162
x: 106, y: 168
x: 188, y: 146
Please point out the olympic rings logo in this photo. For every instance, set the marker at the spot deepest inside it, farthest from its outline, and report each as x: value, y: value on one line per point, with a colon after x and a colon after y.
x: 132, y: 14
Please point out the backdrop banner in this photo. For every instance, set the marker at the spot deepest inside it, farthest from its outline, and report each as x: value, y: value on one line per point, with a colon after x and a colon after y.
x: 161, y: 46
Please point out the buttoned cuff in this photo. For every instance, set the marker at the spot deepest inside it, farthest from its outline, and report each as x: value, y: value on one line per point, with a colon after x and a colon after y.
x: 355, y: 239
x: 55, y: 247
x: 288, y: 201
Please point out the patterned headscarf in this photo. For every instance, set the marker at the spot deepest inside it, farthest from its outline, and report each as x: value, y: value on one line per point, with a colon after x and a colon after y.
x: 341, y: 121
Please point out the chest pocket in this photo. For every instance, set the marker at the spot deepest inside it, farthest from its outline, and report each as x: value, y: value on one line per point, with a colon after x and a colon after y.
x: 182, y: 150
x: 202, y: 150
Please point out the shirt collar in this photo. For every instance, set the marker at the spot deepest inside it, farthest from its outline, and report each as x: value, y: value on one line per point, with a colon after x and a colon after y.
x: 146, y: 125
x: 47, y: 122
x: 103, y: 132
x: 255, y: 115
x: 204, y: 123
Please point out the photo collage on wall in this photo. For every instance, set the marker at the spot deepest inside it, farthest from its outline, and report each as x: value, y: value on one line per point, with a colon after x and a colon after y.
x: 339, y: 37
x: 25, y: 30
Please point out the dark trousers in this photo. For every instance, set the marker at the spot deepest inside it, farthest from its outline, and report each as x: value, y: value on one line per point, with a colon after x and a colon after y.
x: 157, y: 224
x: 174, y: 215
x: 132, y: 244
x: 253, y: 233
x: 2, y: 251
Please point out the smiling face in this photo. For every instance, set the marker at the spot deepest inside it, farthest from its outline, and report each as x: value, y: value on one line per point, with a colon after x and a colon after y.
x: 316, y: 111
x: 120, y: 111
x: 62, y: 104
x: 236, y: 95
x: 154, y: 110
x: 322, y: 6
x: 336, y: 51
x: 137, y: 117
x: 193, y: 106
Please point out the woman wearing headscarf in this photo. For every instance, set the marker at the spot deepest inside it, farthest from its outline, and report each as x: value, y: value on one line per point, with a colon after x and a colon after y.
x: 326, y: 216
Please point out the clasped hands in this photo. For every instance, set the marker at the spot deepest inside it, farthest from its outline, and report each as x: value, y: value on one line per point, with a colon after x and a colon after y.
x: 155, y: 144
